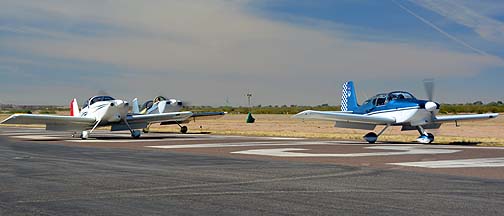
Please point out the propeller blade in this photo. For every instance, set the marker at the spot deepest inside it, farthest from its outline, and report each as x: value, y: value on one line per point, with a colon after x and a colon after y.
x: 429, y: 88
x: 102, y: 92
x: 186, y: 104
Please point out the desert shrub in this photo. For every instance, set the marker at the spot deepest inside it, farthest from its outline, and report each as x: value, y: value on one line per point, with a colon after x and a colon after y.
x: 47, y: 112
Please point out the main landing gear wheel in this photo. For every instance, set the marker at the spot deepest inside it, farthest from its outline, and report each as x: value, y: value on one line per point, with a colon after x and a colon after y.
x: 183, y: 129
x: 431, y: 137
x: 84, y: 135
x: 371, y: 137
x: 136, y: 134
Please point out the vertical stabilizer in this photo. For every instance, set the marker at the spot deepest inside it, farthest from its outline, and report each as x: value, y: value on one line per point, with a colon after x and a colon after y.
x: 348, y: 97
x: 135, y: 108
x: 74, y: 108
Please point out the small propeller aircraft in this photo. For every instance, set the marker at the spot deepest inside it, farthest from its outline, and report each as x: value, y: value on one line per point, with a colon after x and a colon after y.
x: 397, y: 108
x: 162, y: 105
x: 97, y: 111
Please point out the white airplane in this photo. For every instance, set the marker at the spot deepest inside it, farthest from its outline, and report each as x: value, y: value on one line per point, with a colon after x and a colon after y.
x: 397, y: 108
x: 97, y: 111
x: 161, y: 104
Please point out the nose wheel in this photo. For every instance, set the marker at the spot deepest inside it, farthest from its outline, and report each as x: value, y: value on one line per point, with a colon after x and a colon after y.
x: 424, y: 137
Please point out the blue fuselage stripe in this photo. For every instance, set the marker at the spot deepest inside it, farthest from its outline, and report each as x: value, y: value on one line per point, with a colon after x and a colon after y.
x: 393, y: 110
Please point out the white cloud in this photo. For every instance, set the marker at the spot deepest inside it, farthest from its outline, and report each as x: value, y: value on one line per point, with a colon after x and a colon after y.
x: 221, y: 37
x: 166, y: 40
x: 457, y: 11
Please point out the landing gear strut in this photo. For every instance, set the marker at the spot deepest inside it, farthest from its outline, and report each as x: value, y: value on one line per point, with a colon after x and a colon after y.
x: 134, y: 133
x: 372, y: 137
x: 146, y: 130
x: 85, y: 134
x: 424, y: 136
x: 183, y: 129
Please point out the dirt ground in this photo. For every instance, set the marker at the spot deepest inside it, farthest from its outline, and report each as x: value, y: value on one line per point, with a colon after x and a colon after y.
x: 489, y: 132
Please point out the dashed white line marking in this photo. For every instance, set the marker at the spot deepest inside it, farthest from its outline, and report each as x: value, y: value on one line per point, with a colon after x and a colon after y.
x: 463, y: 163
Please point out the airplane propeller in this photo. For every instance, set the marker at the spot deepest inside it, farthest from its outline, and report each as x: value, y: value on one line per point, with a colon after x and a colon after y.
x: 186, y: 104
x: 429, y: 88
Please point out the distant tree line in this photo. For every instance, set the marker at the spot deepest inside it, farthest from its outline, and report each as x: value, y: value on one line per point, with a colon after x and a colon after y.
x: 476, y: 107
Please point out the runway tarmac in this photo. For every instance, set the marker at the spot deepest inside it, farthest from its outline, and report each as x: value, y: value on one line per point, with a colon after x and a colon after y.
x: 46, y: 173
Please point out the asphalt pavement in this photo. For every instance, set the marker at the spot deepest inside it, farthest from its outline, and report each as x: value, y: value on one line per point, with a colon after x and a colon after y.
x: 46, y: 178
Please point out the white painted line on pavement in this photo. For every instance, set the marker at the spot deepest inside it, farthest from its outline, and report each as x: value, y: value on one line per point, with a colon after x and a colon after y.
x: 462, y: 163
x: 398, y: 150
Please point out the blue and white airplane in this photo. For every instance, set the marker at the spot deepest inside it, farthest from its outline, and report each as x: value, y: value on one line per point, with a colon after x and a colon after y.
x: 397, y: 108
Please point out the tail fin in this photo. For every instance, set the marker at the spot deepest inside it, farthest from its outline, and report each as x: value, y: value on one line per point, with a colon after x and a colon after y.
x: 348, y: 97
x: 74, y: 108
x: 135, y: 108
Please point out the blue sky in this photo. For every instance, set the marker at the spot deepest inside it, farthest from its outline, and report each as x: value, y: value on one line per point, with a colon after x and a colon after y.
x: 284, y: 51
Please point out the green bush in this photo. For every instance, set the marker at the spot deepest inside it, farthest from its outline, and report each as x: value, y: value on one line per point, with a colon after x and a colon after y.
x: 494, y: 107
x: 20, y: 111
x: 47, y: 112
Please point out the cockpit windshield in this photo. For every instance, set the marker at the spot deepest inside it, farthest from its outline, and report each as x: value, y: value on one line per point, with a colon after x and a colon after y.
x: 382, y: 99
x: 159, y: 98
x: 147, y: 105
x: 377, y: 100
x: 400, y: 96
x: 95, y: 99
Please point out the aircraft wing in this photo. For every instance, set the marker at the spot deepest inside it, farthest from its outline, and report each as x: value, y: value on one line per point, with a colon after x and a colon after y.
x: 197, y: 116
x: 208, y: 115
x: 448, y: 118
x: 153, y: 118
x: 344, y: 116
x: 52, y: 122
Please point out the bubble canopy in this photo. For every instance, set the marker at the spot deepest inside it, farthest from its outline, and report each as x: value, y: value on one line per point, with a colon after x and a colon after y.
x: 95, y: 99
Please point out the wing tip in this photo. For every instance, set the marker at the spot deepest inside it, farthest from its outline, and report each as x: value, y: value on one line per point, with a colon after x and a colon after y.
x: 302, y: 114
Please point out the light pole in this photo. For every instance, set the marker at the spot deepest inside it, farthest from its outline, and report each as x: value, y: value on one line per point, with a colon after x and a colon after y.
x: 250, y: 118
x: 249, y: 96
